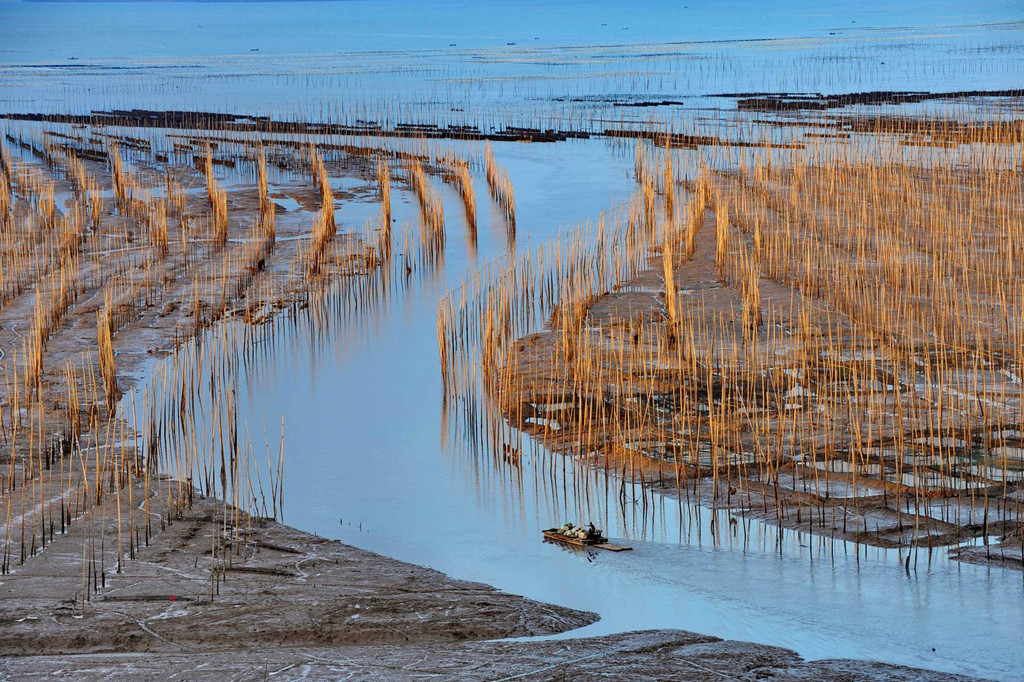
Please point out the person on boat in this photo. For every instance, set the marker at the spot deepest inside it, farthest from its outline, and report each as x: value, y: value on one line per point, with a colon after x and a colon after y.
x: 592, y: 532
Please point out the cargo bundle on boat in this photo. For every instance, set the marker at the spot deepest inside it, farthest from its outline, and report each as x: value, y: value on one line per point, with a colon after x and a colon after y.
x: 575, y: 535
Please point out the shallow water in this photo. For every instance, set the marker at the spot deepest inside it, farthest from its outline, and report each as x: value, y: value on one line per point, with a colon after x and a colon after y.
x: 368, y: 457
x: 366, y: 463
x: 46, y: 32
x: 457, y: 61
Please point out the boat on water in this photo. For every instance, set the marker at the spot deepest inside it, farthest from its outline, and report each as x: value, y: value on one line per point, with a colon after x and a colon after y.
x: 573, y: 535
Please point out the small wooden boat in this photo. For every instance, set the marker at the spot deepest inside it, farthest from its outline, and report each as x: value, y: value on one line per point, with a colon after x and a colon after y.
x: 591, y: 539
x: 594, y: 539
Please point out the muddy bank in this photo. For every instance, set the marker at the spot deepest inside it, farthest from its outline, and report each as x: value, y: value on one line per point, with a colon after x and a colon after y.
x: 273, y: 585
x: 649, y: 655
x: 293, y: 605
x: 204, y: 120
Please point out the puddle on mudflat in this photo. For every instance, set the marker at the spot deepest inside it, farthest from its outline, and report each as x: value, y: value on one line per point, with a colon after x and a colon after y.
x: 286, y: 202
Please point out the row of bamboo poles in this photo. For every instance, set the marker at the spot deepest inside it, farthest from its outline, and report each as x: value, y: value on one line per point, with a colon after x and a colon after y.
x: 105, y: 446
x: 837, y: 343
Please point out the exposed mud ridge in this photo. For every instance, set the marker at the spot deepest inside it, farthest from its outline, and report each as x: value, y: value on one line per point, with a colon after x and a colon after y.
x: 799, y: 101
x: 205, y: 121
x: 685, y: 141
x: 624, y: 101
x: 650, y: 655
x: 809, y: 345
x: 766, y: 101
x: 202, y: 120
x: 282, y: 587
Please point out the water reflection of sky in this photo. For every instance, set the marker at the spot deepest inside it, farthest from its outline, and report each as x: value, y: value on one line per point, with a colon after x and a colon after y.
x: 365, y: 464
x: 389, y: 59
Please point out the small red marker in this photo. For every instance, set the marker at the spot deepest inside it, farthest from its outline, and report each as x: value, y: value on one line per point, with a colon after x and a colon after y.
x: 173, y: 598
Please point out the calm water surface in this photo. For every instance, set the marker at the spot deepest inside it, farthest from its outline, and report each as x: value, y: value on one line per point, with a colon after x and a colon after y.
x: 459, y: 59
x: 367, y: 463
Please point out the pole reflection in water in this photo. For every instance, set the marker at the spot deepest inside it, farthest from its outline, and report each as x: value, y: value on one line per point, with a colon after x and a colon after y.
x: 380, y: 456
